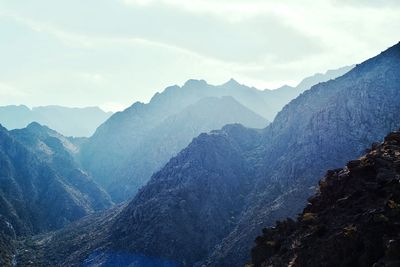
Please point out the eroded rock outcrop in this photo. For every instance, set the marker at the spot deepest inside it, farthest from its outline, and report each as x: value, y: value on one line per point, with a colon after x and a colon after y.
x: 354, y: 219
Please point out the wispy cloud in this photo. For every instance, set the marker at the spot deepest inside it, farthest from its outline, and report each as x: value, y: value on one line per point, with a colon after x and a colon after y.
x: 126, y: 50
x: 87, y: 41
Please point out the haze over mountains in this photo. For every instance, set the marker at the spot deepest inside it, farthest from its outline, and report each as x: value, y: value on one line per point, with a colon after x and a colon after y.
x: 129, y: 147
x: 224, y: 146
x: 78, y: 122
x: 39, y: 176
x: 41, y: 187
x: 207, y: 204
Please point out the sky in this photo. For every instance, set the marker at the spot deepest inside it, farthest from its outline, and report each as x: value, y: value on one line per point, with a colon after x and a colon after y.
x: 112, y: 53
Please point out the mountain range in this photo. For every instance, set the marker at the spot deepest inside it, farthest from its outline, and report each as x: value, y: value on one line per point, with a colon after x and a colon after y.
x: 78, y: 122
x: 41, y: 187
x: 206, y: 205
x: 130, y: 146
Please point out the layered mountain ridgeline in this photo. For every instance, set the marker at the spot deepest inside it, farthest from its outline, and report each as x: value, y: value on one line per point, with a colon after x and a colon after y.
x: 40, y: 187
x: 354, y: 219
x: 80, y: 122
x: 207, y: 204
x: 172, y: 135
x: 321, y: 129
x: 127, y: 149
x: 317, y: 78
x: 178, y: 212
x: 195, y: 199
x: 140, y: 141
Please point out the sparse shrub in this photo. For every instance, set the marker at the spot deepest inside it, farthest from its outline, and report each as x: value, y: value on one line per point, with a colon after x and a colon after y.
x: 309, y: 217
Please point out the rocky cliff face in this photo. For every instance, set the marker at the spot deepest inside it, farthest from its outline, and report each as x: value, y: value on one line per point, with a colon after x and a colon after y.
x: 354, y: 219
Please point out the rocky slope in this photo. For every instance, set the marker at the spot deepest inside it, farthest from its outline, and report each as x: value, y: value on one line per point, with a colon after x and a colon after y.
x: 188, y: 210
x: 60, y: 153
x: 172, y: 135
x: 143, y: 139
x: 354, y: 219
x: 128, y: 148
x: 40, y: 188
x: 79, y: 122
x: 283, y: 164
x: 321, y: 129
x: 197, y: 192
x: 7, y: 242
x: 207, y: 204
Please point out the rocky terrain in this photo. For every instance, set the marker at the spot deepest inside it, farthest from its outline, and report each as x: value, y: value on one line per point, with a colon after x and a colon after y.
x: 207, y: 204
x: 166, y: 139
x: 60, y: 153
x: 354, y: 219
x: 321, y: 129
x: 129, y: 147
x: 41, y: 188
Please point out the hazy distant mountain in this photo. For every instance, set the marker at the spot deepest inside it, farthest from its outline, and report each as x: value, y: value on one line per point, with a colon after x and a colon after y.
x: 322, y: 77
x: 207, y: 204
x: 129, y: 147
x: 278, y: 98
x: 352, y: 221
x: 80, y: 122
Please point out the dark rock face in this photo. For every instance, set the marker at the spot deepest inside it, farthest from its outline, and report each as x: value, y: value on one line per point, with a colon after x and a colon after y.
x: 129, y: 147
x: 354, y: 219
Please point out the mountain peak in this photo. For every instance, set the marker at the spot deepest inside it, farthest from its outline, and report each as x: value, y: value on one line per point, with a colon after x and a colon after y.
x: 2, y: 128
x: 34, y: 126
x: 37, y: 128
x: 194, y: 82
x: 232, y: 82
